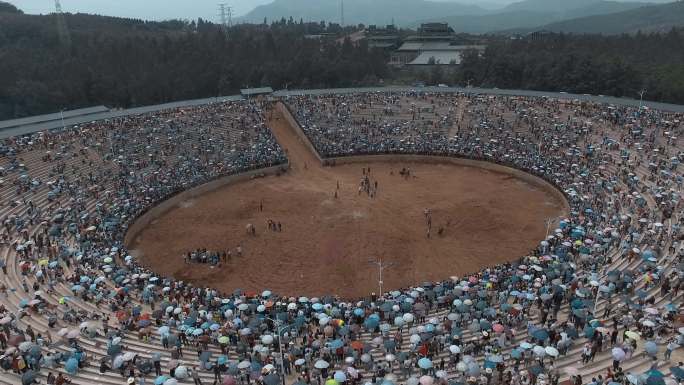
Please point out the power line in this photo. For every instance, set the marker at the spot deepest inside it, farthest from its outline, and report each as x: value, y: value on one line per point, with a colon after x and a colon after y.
x: 226, y: 14
x: 62, y: 30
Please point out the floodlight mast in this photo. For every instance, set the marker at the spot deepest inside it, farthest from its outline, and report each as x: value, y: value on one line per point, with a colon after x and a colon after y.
x: 381, y: 267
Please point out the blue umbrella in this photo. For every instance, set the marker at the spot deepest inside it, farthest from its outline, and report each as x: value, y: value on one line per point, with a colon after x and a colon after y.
x: 677, y: 372
x: 424, y: 363
x: 336, y: 344
x: 371, y: 323
x: 495, y: 358
x: 655, y: 380
x: 205, y: 356
x: 71, y: 366
x: 160, y: 380
x: 540, y: 334
x: 256, y: 367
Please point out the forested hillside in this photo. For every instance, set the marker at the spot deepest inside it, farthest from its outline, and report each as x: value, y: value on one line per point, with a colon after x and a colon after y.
x: 608, y: 65
x: 124, y: 62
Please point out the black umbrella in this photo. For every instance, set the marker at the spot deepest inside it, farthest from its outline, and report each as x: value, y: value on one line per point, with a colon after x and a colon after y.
x: 272, y: 379
x: 28, y: 378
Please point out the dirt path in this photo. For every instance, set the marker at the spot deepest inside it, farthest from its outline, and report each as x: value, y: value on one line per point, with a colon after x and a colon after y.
x: 300, y: 156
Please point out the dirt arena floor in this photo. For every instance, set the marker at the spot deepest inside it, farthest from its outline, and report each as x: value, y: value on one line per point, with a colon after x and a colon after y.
x: 326, y: 243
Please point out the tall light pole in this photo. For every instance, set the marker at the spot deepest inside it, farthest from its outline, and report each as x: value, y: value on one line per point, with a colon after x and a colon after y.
x: 280, y: 347
x: 381, y: 266
x: 61, y: 114
x: 641, y: 98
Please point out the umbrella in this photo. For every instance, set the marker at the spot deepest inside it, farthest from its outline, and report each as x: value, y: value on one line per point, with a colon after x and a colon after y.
x: 540, y: 334
x: 118, y: 362
x: 181, y: 372
x: 424, y: 363
x: 271, y: 379
x: 651, y: 348
x: 539, y: 351
x: 426, y: 380
x: 28, y: 377
x: 551, y: 351
x: 25, y: 346
x: 71, y: 366
x: 244, y: 364
x: 495, y: 358
x: 677, y: 372
x: 618, y: 354
x: 339, y: 376
x: 633, y: 335
x: 321, y: 364
x: 73, y: 334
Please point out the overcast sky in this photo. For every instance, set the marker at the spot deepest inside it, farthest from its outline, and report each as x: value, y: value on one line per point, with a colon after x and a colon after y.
x: 142, y: 9
x: 165, y: 9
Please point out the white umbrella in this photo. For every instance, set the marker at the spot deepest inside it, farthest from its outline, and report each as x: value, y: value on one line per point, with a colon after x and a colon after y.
x: 267, y: 339
x: 73, y: 334
x: 181, y: 372
x: 244, y: 364
x: 321, y: 364
x: 550, y: 350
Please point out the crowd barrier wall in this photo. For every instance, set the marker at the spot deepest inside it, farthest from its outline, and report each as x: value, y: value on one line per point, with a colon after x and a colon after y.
x: 289, y: 116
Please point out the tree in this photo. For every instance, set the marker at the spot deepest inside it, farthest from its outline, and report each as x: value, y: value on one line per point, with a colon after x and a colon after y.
x: 8, y: 8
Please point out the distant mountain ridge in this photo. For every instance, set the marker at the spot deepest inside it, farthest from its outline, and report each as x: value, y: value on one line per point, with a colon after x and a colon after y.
x: 651, y: 18
x: 531, y: 14
x: 403, y: 12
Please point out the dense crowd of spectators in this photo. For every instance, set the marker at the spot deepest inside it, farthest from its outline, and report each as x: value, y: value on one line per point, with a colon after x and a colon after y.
x: 599, y: 295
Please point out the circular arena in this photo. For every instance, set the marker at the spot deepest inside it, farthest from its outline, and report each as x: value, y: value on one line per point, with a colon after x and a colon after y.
x: 336, y: 229
x: 523, y: 239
